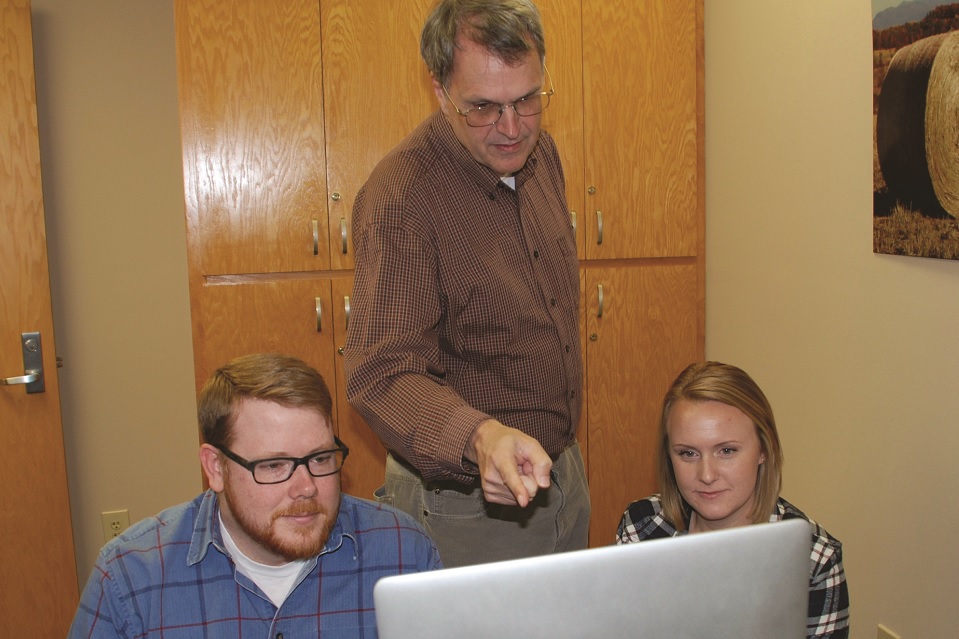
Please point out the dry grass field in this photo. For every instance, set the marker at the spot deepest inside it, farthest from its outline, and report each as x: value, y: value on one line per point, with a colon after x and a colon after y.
x: 906, y: 232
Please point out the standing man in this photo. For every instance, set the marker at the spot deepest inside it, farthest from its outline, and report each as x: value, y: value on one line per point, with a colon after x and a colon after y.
x: 463, y: 352
x: 272, y: 549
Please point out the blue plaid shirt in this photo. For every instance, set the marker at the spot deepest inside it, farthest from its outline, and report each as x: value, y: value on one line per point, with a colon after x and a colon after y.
x: 171, y: 576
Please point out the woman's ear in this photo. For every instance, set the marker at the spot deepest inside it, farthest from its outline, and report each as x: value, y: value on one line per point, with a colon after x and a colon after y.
x: 211, y: 462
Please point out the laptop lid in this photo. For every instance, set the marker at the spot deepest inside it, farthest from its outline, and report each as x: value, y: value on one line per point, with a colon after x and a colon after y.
x: 750, y: 582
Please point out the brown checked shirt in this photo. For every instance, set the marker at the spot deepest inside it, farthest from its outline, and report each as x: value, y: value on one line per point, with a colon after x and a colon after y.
x: 465, y: 302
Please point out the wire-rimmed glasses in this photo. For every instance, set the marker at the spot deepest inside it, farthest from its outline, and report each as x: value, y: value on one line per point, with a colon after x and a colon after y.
x: 489, y: 113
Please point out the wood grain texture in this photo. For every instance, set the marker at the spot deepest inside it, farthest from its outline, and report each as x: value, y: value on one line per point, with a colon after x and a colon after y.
x: 251, y: 111
x: 39, y: 589
x: 562, y: 22
x: 628, y: 118
x: 376, y: 89
x: 642, y: 140
x: 273, y: 316
x: 647, y: 334
x: 280, y: 316
x: 367, y: 463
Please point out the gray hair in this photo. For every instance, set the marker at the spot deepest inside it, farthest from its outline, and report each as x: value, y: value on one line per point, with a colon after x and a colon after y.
x: 509, y: 29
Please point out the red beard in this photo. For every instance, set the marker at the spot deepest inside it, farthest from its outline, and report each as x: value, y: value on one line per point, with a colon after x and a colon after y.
x: 283, y: 538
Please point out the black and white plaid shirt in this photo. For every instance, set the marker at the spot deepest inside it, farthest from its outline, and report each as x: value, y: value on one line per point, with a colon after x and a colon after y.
x: 828, y: 596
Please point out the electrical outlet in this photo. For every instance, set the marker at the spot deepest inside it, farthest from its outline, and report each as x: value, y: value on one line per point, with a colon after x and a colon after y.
x: 114, y: 523
x: 885, y: 633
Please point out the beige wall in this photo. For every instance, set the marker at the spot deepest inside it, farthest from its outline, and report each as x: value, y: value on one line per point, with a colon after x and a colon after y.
x: 858, y: 352
x: 113, y: 191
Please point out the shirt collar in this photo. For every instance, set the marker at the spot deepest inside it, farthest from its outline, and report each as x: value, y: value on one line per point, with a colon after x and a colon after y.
x: 206, y: 530
x: 482, y: 175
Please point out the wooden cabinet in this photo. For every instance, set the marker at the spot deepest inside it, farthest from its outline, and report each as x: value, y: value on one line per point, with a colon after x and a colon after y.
x: 305, y: 316
x: 279, y: 133
x: 285, y: 109
x: 643, y: 138
x: 251, y: 116
x: 642, y: 229
x: 376, y: 90
x: 630, y: 127
x: 643, y: 324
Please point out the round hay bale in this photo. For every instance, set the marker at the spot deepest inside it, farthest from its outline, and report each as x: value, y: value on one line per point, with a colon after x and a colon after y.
x: 914, y: 130
x: 942, y: 124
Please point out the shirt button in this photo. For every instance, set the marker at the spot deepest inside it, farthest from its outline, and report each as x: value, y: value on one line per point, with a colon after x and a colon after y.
x: 572, y: 394
x: 552, y: 301
x: 536, y: 254
x: 567, y: 348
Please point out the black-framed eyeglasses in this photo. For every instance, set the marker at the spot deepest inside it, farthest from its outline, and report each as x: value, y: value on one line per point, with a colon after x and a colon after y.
x: 276, y: 470
x: 489, y: 113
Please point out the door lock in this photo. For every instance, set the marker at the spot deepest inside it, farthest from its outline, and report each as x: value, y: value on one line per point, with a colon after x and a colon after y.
x: 32, y: 376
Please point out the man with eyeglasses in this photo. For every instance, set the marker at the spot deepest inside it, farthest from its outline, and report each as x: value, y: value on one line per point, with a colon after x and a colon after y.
x: 272, y: 549
x: 463, y: 352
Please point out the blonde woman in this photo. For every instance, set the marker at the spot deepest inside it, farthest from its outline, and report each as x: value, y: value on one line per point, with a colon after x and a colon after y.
x: 720, y: 466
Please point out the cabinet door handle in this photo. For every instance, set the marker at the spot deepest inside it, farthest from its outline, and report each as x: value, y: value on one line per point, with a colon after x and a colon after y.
x: 599, y: 307
x: 319, y: 315
x: 572, y: 221
x: 346, y: 310
x: 316, y: 237
x: 343, y: 234
x: 599, y: 227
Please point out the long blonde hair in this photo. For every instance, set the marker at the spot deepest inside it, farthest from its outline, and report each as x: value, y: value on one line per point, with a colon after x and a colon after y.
x: 715, y: 381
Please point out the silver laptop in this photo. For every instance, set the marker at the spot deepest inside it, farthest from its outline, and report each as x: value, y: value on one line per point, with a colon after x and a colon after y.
x: 743, y: 583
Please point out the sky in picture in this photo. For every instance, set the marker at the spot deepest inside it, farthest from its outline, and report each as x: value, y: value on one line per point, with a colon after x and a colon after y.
x: 879, y: 5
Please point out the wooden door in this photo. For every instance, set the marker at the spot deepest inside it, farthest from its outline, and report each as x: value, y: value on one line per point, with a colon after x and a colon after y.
x: 643, y: 138
x: 562, y: 22
x: 376, y: 90
x: 642, y: 327
x: 239, y: 315
x: 366, y: 467
x: 251, y: 117
x: 38, y: 591
x: 305, y: 317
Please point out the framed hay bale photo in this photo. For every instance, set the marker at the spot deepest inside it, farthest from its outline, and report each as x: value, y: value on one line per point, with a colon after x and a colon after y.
x: 916, y: 128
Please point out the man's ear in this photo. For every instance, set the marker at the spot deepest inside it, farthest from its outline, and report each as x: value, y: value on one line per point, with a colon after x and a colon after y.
x: 211, y: 461
x: 440, y: 94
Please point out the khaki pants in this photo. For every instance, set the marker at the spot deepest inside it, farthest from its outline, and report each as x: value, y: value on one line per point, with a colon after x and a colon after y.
x: 468, y: 530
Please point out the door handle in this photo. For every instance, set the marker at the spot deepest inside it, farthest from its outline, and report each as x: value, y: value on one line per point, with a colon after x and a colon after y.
x: 29, y: 378
x: 32, y: 378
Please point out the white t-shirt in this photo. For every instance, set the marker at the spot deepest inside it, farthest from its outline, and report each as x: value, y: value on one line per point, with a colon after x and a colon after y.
x: 275, y: 581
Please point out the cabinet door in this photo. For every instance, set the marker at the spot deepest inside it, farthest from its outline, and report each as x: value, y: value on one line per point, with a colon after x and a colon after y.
x: 234, y: 317
x: 643, y: 327
x: 376, y: 88
x: 251, y: 111
x: 642, y: 65
x: 564, y: 116
x: 367, y: 462
x: 305, y: 318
